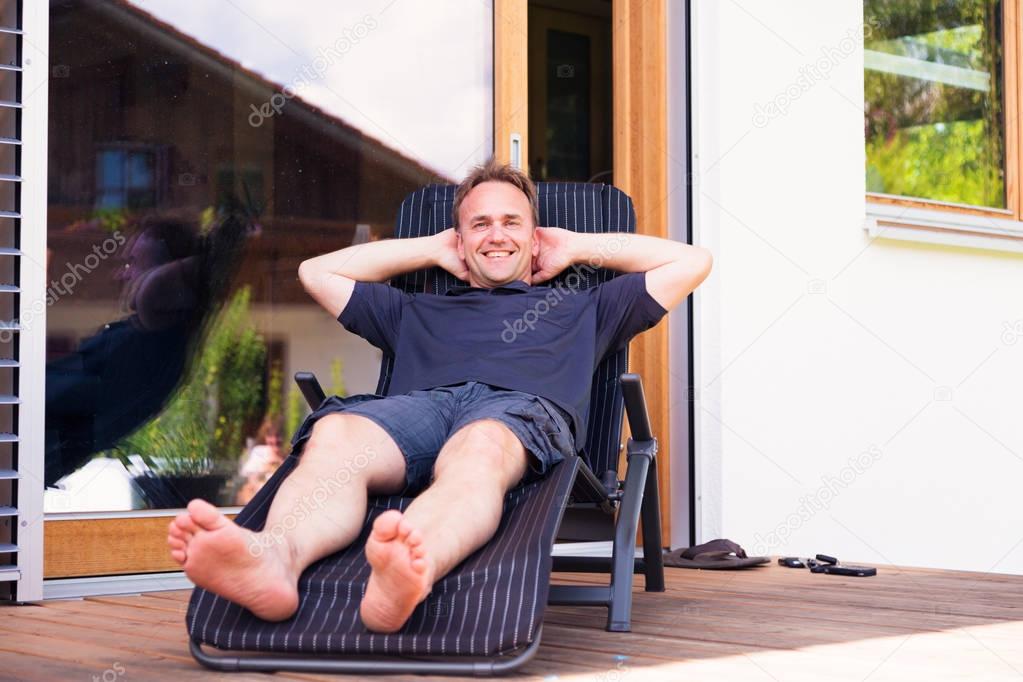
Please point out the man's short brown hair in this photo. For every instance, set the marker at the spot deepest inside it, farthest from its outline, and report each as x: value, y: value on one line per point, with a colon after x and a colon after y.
x: 495, y: 171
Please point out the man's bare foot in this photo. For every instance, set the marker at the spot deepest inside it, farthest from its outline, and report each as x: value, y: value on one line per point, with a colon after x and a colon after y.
x: 402, y: 575
x: 222, y: 557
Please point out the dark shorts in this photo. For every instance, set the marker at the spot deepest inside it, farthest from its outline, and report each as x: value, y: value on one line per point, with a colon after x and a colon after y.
x: 420, y: 422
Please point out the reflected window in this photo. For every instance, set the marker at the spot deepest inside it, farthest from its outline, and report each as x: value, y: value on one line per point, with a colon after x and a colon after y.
x: 126, y: 178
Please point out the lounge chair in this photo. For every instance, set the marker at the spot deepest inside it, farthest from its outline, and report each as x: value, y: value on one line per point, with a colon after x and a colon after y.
x: 485, y: 616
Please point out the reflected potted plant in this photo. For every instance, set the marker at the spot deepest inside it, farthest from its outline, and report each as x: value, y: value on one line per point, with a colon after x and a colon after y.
x: 192, y: 448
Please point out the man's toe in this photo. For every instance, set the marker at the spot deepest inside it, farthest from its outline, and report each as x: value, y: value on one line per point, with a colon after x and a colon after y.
x: 385, y: 528
x: 205, y: 515
x: 185, y: 522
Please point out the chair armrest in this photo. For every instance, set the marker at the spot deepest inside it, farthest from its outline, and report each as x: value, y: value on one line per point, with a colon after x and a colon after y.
x: 635, y: 407
x: 311, y: 389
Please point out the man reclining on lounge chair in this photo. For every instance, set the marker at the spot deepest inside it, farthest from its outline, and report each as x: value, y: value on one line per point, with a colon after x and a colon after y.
x: 490, y: 387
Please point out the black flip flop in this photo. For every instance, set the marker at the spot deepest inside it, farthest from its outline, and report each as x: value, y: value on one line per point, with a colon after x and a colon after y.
x: 716, y: 554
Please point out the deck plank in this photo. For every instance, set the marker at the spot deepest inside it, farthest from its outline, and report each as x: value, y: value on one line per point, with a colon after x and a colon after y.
x: 906, y: 623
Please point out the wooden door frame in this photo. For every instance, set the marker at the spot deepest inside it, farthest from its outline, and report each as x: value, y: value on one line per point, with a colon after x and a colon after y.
x: 511, y: 78
x: 639, y: 82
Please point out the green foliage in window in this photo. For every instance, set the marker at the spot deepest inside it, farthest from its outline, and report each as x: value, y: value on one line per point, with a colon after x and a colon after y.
x: 203, y: 427
x: 274, y: 391
x: 941, y: 162
x: 337, y: 381
x: 112, y: 219
x: 933, y: 103
x: 296, y: 411
x: 234, y: 358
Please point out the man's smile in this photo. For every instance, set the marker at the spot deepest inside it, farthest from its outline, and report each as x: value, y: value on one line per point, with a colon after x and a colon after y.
x: 498, y: 254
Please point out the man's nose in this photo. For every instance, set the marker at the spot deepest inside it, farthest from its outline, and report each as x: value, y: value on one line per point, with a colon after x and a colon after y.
x: 497, y: 233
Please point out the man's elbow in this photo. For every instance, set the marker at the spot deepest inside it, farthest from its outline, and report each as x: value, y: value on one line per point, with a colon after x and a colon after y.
x: 704, y: 262
x: 693, y: 266
x: 308, y: 274
x: 671, y: 283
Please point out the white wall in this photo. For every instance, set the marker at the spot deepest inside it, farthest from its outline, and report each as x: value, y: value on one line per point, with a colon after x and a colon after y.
x: 817, y: 347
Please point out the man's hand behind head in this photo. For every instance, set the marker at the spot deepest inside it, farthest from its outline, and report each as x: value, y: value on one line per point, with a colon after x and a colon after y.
x: 556, y: 252
x: 447, y: 254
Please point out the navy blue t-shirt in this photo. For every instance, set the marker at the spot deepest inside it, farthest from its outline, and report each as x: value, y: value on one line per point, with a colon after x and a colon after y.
x: 543, y: 340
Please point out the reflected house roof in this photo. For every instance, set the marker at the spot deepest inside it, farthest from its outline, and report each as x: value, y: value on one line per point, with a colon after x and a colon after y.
x: 335, y: 125
x: 132, y: 80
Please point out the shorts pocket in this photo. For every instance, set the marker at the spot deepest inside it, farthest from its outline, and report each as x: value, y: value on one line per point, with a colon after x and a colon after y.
x: 546, y: 426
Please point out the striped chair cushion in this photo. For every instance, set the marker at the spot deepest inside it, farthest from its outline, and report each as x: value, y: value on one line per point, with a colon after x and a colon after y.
x: 493, y: 602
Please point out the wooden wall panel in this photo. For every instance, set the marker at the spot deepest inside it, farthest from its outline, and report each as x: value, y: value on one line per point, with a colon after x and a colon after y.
x: 116, y: 546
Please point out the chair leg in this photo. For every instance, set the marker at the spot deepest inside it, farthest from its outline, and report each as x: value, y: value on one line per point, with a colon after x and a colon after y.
x: 619, y: 616
x: 653, y: 558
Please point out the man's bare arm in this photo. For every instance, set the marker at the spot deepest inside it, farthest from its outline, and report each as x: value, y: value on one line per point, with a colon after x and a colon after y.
x: 330, y: 278
x: 673, y: 269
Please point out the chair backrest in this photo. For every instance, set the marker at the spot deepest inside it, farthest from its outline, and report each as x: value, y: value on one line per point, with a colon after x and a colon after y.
x: 580, y: 207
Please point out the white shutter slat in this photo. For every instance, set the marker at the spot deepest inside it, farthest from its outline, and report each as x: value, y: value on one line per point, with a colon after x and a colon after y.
x: 23, y: 365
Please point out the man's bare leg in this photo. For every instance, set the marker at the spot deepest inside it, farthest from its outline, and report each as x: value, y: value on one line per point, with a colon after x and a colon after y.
x: 450, y: 520
x: 319, y: 509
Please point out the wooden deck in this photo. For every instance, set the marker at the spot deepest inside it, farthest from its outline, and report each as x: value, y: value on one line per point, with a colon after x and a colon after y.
x: 769, y: 623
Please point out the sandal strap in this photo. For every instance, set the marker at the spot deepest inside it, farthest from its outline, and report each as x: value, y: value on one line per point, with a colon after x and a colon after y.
x: 715, y: 549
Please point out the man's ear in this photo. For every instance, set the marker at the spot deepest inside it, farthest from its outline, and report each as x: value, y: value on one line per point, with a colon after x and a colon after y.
x: 459, y: 246
x: 536, y: 242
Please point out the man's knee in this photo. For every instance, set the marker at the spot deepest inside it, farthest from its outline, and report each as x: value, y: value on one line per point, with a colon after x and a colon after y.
x: 357, y: 448
x: 333, y: 432
x: 483, y: 447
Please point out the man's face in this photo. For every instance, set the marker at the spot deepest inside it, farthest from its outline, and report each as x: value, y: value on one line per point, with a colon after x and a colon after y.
x: 495, y: 235
x: 143, y: 255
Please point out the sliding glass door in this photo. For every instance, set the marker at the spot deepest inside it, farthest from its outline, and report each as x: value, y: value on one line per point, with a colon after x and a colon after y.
x: 198, y: 152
